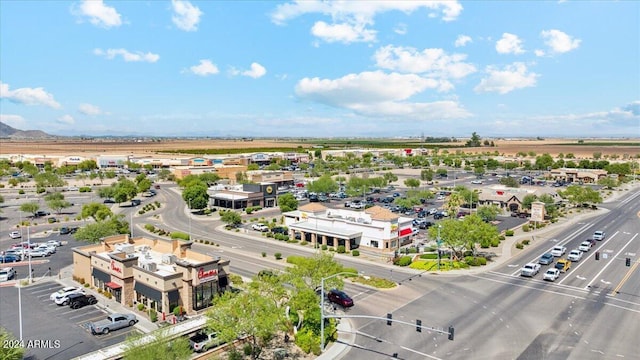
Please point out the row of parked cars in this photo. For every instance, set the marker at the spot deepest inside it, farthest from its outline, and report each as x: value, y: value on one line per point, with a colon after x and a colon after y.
x: 24, y: 250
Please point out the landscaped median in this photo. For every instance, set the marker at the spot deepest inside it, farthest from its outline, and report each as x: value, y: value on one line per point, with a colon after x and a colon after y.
x: 429, y: 262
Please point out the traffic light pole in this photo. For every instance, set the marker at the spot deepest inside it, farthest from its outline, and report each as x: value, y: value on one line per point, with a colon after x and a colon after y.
x: 389, y: 320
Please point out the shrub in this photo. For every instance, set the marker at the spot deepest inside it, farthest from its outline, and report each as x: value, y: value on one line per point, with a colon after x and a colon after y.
x: 519, y: 246
x: 525, y: 228
x: 84, y: 189
x: 324, y: 247
x: 482, y: 261
x: 355, y: 253
x: 40, y: 190
x: 21, y: 192
x: 341, y: 249
x: 501, y: 237
x: 495, y: 242
x: 86, y: 285
x: 471, y: 261
x: 526, y: 242
x: 508, y: 232
x: 295, y: 259
x: 403, y: 261
x: 150, y: 227
x: 307, y: 341
x: 264, y: 254
x: 278, y: 256
x: 429, y: 256
x: 303, y: 243
x: 179, y: 235
x: 153, y: 315
x: 247, y: 349
x: 178, y: 310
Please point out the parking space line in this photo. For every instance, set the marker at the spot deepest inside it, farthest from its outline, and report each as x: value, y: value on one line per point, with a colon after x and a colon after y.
x: 85, y: 314
x: 41, y: 291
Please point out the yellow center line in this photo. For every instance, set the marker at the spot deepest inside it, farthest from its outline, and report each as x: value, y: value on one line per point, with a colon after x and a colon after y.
x: 625, y: 278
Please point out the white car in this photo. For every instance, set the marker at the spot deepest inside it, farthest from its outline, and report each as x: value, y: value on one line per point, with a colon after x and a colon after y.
x: 60, y: 295
x: 551, y: 274
x: 440, y: 197
x: 260, y: 227
x: 476, y: 182
x: 37, y: 253
x: 575, y: 255
x: 585, y: 246
x: 558, y: 251
x: 15, y: 235
x: 55, y: 243
x: 598, y: 235
x: 47, y: 249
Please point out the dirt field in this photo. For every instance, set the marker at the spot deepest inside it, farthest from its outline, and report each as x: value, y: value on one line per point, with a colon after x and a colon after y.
x: 504, y: 147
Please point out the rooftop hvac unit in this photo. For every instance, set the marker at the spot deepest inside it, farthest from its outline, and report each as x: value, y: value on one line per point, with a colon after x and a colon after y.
x: 129, y: 256
x: 168, y: 259
x: 125, y: 248
x: 149, y: 266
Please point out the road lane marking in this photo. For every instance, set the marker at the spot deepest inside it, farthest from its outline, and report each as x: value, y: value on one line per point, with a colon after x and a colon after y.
x: 610, y: 262
x: 625, y: 278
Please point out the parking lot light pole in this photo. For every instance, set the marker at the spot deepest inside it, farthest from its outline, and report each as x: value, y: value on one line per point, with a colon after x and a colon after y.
x: 322, y: 305
x: 438, y: 245
x: 189, y: 213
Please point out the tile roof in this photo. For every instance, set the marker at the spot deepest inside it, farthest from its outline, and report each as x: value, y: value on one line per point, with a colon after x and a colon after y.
x: 380, y: 213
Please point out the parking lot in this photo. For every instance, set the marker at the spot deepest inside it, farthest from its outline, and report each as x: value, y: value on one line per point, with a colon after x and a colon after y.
x: 61, y: 332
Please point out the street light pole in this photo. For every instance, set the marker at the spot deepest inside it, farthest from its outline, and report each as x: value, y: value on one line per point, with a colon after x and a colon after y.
x: 322, y: 305
x: 438, y: 245
x: 189, y: 219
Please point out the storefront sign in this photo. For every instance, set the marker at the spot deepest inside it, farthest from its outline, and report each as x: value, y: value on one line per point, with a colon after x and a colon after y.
x: 207, y: 275
x: 115, y: 267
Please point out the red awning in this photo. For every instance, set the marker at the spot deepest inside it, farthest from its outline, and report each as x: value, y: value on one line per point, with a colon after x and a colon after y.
x: 406, y: 231
x: 112, y: 285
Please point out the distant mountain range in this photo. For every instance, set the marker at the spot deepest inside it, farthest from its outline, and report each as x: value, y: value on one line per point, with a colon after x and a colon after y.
x: 7, y: 131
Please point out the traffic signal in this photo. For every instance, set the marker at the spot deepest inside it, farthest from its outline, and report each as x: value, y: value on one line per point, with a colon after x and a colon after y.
x: 627, y: 261
x: 389, y: 319
x: 451, y: 330
x: 597, y: 255
x: 418, y: 325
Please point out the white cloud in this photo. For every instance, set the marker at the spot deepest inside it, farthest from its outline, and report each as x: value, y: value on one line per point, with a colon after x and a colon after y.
x: 625, y: 121
x: 344, y: 33
x: 462, y: 40
x: 433, y: 62
x: 28, y: 96
x: 400, y: 29
x: 539, y: 52
x: 89, y: 109
x: 256, y: 71
x: 205, y: 68
x: 98, y: 13
x: 127, y: 56
x: 378, y: 94
x: 353, y: 17
x: 559, y: 42
x: 511, y: 77
x: 509, y: 44
x: 15, y: 121
x: 186, y: 16
x: 66, y: 119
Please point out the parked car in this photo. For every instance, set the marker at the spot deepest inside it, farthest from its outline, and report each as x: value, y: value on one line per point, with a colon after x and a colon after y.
x: 109, y: 201
x: 55, y: 243
x: 575, y: 255
x: 15, y: 235
x: 425, y: 225
x: 113, y: 322
x: 76, y: 301
x: 599, y: 235
x: 260, y: 227
x: 546, y: 259
x: 563, y: 265
x: 340, y: 297
x: 49, y: 250
x: 202, y: 341
x: 558, y: 251
x: 7, y: 258
x: 552, y: 274
x: 585, y: 246
x: 37, y: 253
x: 280, y: 230
x: 40, y: 213
x: 64, y: 292
x: 7, y: 274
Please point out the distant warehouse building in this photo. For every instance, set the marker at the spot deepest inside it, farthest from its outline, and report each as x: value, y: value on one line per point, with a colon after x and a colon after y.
x: 161, y: 274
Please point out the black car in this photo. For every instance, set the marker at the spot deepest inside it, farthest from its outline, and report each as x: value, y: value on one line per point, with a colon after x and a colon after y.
x: 40, y: 213
x: 68, y: 230
x: 425, y: 225
x: 76, y: 301
x: 279, y: 230
x: 109, y: 201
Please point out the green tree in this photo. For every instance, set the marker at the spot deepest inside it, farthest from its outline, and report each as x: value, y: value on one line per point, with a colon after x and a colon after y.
x: 196, y: 196
x: 509, y: 182
x: 426, y: 175
x: 253, y: 166
x: 107, y: 192
x: 544, y: 162
x: 474, y: 141
x: 231, y: 218
x: 390, y: 177
x: 96, y: 211
x: 528, y: 200
x: 125, y: 190
x: 58, y: 205
x: 488, y: 213
x: 412, y: 183
x: 87, y: 165
x: 608, y: 183
x: 48, y: 179
x: 30, y: 207
x: 324, y: 184
x: 287, y: 202
x: 9, y: 352
x: 576, y: 194
x: 157, y: 347
x: 144, y: 185
x: 94, y: 232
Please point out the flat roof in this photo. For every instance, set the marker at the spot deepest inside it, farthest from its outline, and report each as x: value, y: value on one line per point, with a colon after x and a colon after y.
x: 325, y: 230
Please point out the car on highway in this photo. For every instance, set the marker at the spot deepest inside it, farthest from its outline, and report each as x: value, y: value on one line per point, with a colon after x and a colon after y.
x: 15, y: 235
x: 78, y: 300
x: 551, y: 274
x: 546, y: 259
x: 585, y: 246
x: 575, y: 255
x: 260, y: 227
x: 476, y: 182
x: 530, y: 270
x: 599, y: 235
x: 558, y: 250
x: 340, y: 297
x: 64, y: 292
x: 563, y: 265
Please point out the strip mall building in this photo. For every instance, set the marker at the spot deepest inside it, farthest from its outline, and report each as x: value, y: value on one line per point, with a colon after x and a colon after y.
x: 161, y: 274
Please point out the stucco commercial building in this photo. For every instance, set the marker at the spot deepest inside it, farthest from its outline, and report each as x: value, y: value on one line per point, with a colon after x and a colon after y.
x: 375, y: 227
x: 161, y: 274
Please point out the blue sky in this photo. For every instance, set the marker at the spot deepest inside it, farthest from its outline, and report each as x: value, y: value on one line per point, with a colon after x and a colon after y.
x: 321, y: 68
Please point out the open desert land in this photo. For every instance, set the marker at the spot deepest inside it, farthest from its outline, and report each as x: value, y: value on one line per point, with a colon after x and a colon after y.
x: 509, y: 147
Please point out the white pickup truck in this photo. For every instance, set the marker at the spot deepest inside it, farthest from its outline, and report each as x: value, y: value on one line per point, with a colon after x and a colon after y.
x: 113, y: 322
x: 530, y: 270
x: 202, y: 341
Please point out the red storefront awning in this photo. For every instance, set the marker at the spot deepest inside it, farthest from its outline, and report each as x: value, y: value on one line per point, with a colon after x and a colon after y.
x: 112, y: 285
x: 406, y: 231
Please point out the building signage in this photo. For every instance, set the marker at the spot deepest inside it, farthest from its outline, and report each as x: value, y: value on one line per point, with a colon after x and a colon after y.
x: 115, y: 267
x: 206, y: 275
x: 537, y: 211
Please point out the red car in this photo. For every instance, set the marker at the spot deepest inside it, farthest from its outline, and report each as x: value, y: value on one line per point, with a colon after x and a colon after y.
x: 340, y: 297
